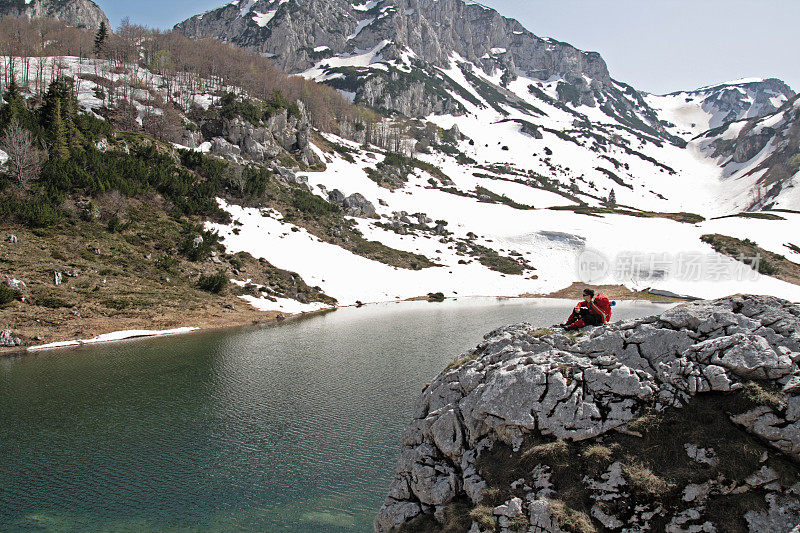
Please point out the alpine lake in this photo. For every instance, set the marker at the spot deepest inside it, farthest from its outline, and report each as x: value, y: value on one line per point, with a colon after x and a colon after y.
x: 288, y: 427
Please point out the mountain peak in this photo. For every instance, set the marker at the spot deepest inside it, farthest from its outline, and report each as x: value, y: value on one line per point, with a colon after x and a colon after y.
x: 78, y: 13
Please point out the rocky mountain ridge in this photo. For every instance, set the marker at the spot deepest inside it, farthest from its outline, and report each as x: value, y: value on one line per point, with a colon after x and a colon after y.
x: 537, y: 431
x: 78, y: 13
x: 390, y: 53
x: 690, y: 113
x: 763, y: 153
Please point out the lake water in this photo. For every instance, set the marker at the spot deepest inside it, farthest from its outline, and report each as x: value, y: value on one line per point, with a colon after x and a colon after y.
x: 294, y: 427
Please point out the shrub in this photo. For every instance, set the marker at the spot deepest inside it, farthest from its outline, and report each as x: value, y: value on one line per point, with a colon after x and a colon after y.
x: 311, y: 204
x: 195, y: 249
x: 213, y: 283
x: 570, y: 519
x: 52, y: 302
x: 436, y: 296
x: 8, y: 295
x: 766, y: 267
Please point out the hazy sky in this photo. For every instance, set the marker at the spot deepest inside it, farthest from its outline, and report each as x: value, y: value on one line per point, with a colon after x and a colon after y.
x: 655, y: 45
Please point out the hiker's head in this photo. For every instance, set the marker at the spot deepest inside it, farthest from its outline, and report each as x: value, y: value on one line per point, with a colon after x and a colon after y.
x: 588, y: 294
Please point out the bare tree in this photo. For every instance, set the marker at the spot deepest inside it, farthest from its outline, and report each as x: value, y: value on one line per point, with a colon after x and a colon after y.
x: 24, y: 158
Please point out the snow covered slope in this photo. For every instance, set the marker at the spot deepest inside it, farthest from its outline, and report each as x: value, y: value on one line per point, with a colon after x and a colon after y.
x: 561, y: 246
x: 690, y: 113
x: 539, y: 155
x: 760, y: 158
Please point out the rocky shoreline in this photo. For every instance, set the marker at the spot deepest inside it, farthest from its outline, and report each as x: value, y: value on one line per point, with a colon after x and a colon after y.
x: 687, y: 421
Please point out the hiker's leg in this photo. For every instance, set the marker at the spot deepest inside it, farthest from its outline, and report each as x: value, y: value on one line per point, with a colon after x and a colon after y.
x: 578, y: 324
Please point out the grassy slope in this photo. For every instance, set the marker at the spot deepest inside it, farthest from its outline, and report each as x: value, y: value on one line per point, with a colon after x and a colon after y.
x: 121, y: 279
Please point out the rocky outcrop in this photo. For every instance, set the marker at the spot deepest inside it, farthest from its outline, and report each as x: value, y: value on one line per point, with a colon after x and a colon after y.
x: 525, y: 395
x: 78, y: 13
x: 729, y: 102
x: 355, y: 205
x: 8, y: 340
x: 237, y: 138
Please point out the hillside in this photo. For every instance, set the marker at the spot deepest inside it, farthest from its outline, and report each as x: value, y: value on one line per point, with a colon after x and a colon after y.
x: 424, y: 59
x: 685, y: 421
x: 687, y: 114
x: 760, y: 157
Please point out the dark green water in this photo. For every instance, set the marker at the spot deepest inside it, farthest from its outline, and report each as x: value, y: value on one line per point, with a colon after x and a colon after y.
x: 288, y: 428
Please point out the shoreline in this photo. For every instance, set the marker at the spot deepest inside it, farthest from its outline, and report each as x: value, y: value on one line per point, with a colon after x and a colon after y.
x: 271, y: 318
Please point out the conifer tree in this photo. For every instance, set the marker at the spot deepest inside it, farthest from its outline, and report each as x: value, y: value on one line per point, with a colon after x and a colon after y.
x: 100, y: 38
x: 58, y: 134
x: 612, y: 198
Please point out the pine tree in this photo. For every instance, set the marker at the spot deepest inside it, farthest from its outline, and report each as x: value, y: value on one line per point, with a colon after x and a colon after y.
x: 100, y: 38
x: 58, y: 134
x: 612, y: 198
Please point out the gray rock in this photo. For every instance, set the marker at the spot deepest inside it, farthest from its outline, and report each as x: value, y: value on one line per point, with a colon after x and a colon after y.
x: 78, y: 13
x: 12, y: 239
x: 516, y: 385
x: 336, y: 197
x: 434, y: 30
x: 357, y: 206
x: 8, y: 340
x: 16, y: 284
x: 225, y: 148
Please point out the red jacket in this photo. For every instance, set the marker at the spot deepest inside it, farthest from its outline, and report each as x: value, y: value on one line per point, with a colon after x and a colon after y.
x: 601, y: 311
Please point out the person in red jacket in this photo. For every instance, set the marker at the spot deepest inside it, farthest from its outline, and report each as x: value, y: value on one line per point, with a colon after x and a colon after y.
x: 590, y: 311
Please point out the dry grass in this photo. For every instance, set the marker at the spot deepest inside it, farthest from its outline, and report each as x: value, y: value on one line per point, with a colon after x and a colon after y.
x: 598, y: 453
x: 460, y: 361
x: 551, y: 451
x: 614, y: 292
x: 482, y: 514
x: 538, y: 333
x: 569, y: 519
x: 644, y: 482
x: 761, y: 396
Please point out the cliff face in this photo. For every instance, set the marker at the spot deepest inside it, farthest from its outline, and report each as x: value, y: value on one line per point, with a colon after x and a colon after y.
x: 388, y: 53
x: 78, y: 13
x: 687, y: 421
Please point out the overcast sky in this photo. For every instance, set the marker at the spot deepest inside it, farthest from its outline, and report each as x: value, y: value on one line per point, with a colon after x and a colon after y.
x: 655, y: 45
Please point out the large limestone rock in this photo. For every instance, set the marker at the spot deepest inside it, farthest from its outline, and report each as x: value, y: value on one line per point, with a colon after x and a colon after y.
x: 78, y: 13
x: 237, y: 138
x: 514, y: 386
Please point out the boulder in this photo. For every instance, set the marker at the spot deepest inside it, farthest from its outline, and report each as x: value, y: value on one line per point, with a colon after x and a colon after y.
x: 8, y: 340
x: 356, y: 205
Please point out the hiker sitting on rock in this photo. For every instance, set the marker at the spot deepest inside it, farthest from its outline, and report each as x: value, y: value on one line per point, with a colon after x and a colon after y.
x: 590, y: 311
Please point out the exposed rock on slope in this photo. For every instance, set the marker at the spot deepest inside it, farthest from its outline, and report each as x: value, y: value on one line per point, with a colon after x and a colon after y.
x: 764, y: 153
x: 687, y: 421
x: 689, y: 113
x: 79, y: 13
x: 340, y: 40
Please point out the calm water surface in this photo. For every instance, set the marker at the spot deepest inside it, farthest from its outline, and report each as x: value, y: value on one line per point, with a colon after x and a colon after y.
x: 287, y: 428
